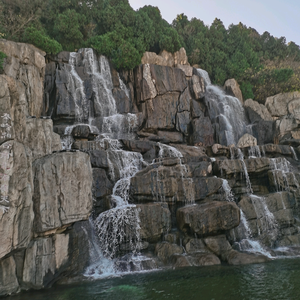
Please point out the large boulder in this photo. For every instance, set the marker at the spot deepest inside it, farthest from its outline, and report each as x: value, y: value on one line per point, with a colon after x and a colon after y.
x: 16, y: 209
x: 62, y: 193
x: 161, y: 112
x: 205, y: 187
x: 203, y: 132
x: 264, y: 131
x: 165, y: 58
x: 40, y: 138
x: 279, y: 106
x: 27, y: 63
x: 47, y: 258
x: 247, y: 140
x: 197, y: 87
x: 17, y: 124
x: 155, y: 220
x: 168, y: 79
x: 232, y: 88
x: 208, y: 218
x: 8, y: 279
x: 238, y: 258
x: 257, y: 111
x: 195, y: 260
x: 165, y: 251
x: 163, y: 183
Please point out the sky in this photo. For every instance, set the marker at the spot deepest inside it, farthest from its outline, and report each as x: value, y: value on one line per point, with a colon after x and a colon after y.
x: 278, y: 17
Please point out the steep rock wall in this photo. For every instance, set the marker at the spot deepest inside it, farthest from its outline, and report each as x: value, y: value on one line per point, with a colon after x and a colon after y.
x: 27, y: 141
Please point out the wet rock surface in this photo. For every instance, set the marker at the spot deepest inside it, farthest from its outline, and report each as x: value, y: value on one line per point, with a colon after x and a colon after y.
x: 176, y: 171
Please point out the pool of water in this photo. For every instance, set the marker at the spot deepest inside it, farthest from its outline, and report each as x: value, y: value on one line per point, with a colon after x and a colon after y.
x: 278, y: 279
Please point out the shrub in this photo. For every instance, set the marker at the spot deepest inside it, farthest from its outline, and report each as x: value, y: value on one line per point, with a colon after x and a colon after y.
x: 41, y: 40
x: 2, y: 57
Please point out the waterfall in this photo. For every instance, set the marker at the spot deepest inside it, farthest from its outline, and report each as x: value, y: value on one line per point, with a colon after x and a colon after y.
x: 117, y: 230
x: 120, y: 224
x: 228, y: 195
x: 205, y: 76
x: 76, y: 88
x: 248, y: 182
x: 247, y: 243
x: 100, y: 113
x: 294, y: 153
x: 280, y: 169
x: 254, y: 152
x: 268, y: 222
x: 226, y: 113
x: 166, y: 151
x: 102, y: 85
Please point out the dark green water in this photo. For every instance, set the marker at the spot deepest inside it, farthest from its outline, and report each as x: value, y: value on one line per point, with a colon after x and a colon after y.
x: 274, y: 280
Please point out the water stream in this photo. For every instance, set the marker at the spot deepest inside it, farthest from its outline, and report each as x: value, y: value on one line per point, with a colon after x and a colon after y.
x: 226, y: 113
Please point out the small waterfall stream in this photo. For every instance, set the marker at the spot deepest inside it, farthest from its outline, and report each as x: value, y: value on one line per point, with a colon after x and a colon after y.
x: 226, y: 113
x: 166, y: 151
x: 116, y: 242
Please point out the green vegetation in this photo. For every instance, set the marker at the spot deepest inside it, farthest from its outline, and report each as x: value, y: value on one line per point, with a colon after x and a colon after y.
x: 111, y: 27
x: 2, y: 56
x: 41, y: 40
x: 262, y: 64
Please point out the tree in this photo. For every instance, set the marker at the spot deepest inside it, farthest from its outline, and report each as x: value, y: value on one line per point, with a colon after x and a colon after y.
x: 17, y: 15
x: 68, y: 29
x: 41, y: 40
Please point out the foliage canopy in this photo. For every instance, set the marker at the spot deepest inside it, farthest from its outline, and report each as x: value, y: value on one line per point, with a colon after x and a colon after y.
x: 262, y: 64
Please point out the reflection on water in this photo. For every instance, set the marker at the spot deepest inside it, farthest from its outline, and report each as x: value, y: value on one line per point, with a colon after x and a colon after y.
x: 273, y: 280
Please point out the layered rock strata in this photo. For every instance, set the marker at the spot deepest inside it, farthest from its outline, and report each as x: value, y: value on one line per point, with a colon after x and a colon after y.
x: 150, y: 135
x: 42, y: 194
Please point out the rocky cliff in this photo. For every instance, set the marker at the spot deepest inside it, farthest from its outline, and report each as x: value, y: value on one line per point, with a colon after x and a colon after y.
x: 180, y: 172
x: 43, y: 193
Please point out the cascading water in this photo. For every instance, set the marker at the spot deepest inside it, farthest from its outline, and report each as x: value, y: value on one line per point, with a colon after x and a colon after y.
x: 254, y: 152
x: 247, y: 243
x: 166, y: 151
x: 226, y: 189
x: 226, y: 113
x: 242, y: 235
x: 294, y: 153
x: 282, y: 175
x: 205, y: 76
x: 102, y: 111
x: 76, y: 87
x: 248, y: 182
x: 118, y: 229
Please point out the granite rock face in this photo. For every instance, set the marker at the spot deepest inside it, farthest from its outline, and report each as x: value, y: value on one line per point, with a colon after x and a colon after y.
x: 62, y: 191
x: 27, y: 63
x: 27, y: 142
x: 232, y: 88
x: 197, y: 177
x: 209, y: 218
x: 16, y: 208
x: 155, y: 221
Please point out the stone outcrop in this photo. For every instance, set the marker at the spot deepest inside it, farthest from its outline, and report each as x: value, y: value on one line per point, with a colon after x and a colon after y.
x: 257, y: 111
x: 155, y: 221
x: 178, y: 59
x: 8, y: 278
x: 16, y: 209
x: 247, y: 140
x: 62, y: 191
x: 27, y: 63
x: 232, y: 88
x: 209, y: 218
x: 29, y: 197
x: 283, y: 104
x: 164, y: 160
